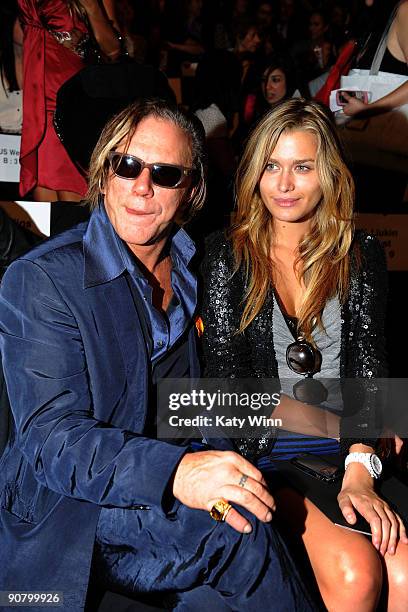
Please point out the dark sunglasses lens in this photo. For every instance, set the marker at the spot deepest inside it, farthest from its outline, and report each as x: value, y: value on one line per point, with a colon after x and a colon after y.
x: 301, y: 357
x: 125, y: 166
x: 166, y: 176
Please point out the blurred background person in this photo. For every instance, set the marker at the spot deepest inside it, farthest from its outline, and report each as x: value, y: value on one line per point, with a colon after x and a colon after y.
x: 216, y: 104
x: 132, y: 28
x: 394, y: 61
x: 248, y: 40
x: 184, y: 35
x: 315, y: 54
x: 11, y: 68
x: 275, y: 80
x: 292, y: 22
x: 231, y: 13
x: 386, y: 115
x: 340, y: 24
x: 59, y: 36
x: 265, y: 16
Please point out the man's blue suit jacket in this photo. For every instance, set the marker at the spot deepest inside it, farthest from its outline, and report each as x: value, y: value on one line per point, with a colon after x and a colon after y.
x: 76, y: 369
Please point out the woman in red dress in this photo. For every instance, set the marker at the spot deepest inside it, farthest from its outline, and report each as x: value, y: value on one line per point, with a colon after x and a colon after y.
x: 55, y: 38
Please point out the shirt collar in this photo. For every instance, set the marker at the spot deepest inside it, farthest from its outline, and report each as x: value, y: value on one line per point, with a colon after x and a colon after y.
x: 106, y: 256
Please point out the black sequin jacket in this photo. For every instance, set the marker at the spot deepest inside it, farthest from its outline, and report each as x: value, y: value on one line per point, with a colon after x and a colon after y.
x: 252, y: 355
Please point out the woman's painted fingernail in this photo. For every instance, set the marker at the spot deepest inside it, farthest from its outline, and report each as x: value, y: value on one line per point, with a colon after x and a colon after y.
x: 268, y: 516
x: 247, y: 528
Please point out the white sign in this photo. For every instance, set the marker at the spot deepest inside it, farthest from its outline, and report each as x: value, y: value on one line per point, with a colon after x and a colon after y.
x: 392, y: 232
x: 10, y: 158
x: 33, y: 216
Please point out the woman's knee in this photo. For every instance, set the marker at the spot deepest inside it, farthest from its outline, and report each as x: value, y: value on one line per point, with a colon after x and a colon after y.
x: 363, y: 580
x: 356, y: 578
x: 397, y: 571
x: 398, y: 578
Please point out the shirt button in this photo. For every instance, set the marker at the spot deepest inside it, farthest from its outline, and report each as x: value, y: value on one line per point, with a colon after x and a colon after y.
x: 160, y: 343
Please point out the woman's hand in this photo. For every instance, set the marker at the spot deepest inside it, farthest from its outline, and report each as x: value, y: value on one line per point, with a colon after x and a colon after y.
x: 394, y: 99
x: 354, y: 106
x: 357, y: 493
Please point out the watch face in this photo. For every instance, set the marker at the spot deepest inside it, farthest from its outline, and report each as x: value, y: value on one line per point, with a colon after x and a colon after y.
x: 376, y: 464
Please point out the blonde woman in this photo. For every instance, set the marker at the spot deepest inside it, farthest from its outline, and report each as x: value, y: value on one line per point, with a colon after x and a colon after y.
x: 293, y: 292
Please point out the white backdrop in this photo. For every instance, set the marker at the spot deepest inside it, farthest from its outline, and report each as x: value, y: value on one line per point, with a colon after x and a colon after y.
x: 34, y: 216
x: 9, y: 158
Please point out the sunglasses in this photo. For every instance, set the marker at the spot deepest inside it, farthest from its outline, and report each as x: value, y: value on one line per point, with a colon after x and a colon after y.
x: 129, y: 167
x: 303, y: 358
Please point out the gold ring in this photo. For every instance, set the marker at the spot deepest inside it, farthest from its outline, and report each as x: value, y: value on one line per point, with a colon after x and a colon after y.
x: 220, y: 510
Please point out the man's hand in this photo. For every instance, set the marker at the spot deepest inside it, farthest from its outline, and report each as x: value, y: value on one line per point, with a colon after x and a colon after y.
x: 203, y: 478
x: 357, y: 493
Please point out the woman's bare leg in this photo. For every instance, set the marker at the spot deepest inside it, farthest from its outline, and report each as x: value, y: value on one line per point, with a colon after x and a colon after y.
x: 43, y: 194
x: 396, y: 570
x: 69, y: 196
x: 346, y: 565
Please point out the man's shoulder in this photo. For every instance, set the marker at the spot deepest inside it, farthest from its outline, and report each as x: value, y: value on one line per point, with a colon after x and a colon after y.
x: 60, y: 258
x: 57, y: 263
x: 64, y: 245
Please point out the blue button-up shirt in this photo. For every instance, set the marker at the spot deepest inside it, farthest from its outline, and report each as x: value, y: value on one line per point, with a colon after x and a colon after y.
x: 166, y: 329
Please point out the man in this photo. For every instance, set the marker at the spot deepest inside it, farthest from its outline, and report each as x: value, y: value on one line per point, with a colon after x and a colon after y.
x: 90, y: 322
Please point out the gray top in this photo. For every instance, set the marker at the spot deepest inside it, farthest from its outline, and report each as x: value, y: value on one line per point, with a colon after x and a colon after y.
x: 328, y: 343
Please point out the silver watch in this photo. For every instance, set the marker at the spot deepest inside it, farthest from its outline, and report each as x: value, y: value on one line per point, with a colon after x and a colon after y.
x: 371, y: 461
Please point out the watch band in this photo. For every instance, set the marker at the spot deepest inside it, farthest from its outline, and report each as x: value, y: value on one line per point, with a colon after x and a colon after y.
x: 370, y: 461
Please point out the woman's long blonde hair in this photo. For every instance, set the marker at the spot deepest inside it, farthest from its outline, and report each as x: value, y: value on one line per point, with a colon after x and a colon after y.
x: 323, y: 260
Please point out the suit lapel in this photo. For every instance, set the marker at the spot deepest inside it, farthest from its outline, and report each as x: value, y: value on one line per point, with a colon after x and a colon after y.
x: 127, y: 325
